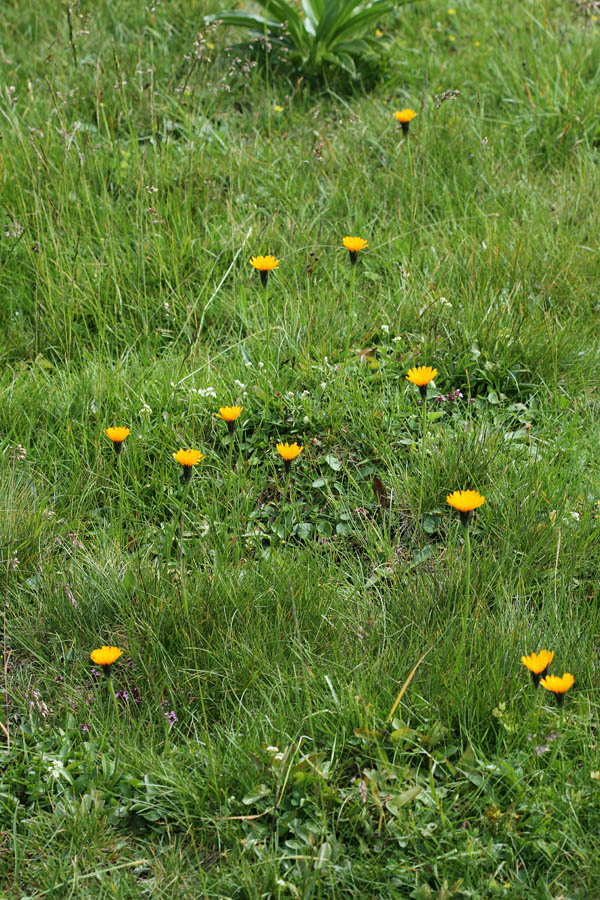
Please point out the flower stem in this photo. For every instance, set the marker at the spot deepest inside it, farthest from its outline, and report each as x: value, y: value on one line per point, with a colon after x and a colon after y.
x: 412, y: 200
x: 467, y: 567
x: 349, y: 322
x: 111, y: 688
x: 267, y: 360
x: 423, y: 437
x: 177, y: 521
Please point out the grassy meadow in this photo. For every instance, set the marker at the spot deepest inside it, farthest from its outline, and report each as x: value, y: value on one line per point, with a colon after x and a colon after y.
x: 314, y: 701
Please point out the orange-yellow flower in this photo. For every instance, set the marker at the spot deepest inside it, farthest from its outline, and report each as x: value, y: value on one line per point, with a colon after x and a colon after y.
x: 405, y: 117
x: 264, y: 264
x: 353, y: 245
x: 421, y: 376
x: 105, y: 657
x: 288, y: 452
x: 538, y: 664
x: 558, y: 685
x: 229, y: 414
x: 465, y: 502
x: 117, y: 436
x: 188, y: 458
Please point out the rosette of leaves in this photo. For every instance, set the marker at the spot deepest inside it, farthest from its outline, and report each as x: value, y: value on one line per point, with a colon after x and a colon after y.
x: 315, y: 34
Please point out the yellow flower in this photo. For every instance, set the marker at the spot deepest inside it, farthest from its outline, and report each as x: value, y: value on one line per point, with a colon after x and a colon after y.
x: 558, y: 686
x: 278, y: 108
x: 405, y: 117
x: 117, y: 436
x: 465, y: 502
x: 353, y: 245
x: 188, y: 458
x: 264, y: 264
x: 538, y: 664
x: 288, y: 452
x: 229, y: 414
x: 105, y: 657
x: 421, y: 376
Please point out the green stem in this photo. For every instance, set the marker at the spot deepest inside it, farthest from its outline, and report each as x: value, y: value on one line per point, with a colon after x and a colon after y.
x: 467, y: 567
x: 229, y: 472
x: 118, y: 724
x: 349, y: 322
x: 412, y: 200
x: 177, y: 520
x: 121, y: 497
x: 423, y: 440
x: 267, y: 360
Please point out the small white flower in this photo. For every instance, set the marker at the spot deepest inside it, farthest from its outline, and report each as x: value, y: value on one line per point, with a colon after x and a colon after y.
x: 385, y: 329
x: 306, y: 420
x: 261, y: 365
x: 55, y: 769
x: 322, y: 385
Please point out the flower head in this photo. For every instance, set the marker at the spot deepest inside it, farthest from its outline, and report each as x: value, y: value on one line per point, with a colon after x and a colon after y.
x: 229, y: 414
x: 353, y: 245
x: 188, y: 458
x: 538, y: 664
x: 558, y: 686
x: 117, y: 436
x: 405, y: 117
x: 288, y: 452
x: 421, y: 376
x: 105, y: 657
x: 264, y: 264
x: 465, y: 502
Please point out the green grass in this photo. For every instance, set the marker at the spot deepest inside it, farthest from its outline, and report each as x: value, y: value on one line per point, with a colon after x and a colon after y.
x: 137, y: 182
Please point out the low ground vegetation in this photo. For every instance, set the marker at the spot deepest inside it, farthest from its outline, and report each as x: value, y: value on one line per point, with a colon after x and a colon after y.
x: 313, y: 700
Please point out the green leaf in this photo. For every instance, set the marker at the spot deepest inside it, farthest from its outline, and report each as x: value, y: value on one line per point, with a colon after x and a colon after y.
x: 243, y: 19
x: 343, y: 529
x: 356, y: 25
x: 399, y: 800
x: 313, y: 9
x: 333, y: 462
x: 286, y: 12
x: 257, y: 793
x: 430, y: 524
